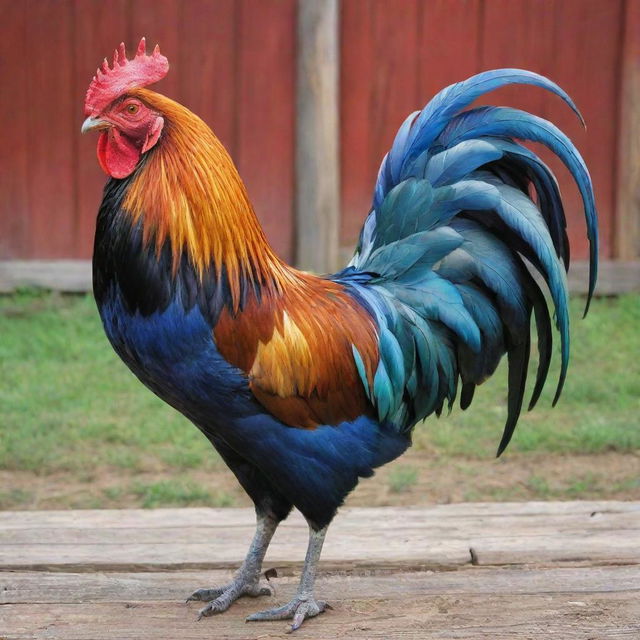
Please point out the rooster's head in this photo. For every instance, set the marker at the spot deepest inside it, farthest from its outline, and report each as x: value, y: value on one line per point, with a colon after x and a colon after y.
x: 128, y: 127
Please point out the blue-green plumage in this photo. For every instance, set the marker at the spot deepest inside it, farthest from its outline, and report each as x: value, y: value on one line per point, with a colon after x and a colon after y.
x: 448, y: 242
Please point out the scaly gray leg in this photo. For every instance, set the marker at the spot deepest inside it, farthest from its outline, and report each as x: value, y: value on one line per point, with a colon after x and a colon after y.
x: 303, y: 604
x: 246, y: 581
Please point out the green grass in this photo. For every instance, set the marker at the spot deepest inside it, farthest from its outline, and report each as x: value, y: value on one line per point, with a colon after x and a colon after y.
x: 402, y: 478
x: 179, y: 494
x: 70, y: 406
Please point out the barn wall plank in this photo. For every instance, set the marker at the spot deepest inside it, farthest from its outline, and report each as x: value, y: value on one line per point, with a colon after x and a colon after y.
x: 52, y: 161
x: 14, y: 158
x: 160, y: 22
x: 448, y: 50
x: 587, y: 48
x: 357, y: 67
x: 386, y: 88
x: 317, y: 156
x: 265, y: 151
x: 627, y: 219
x: 206, y: 64
x: 574, y: 42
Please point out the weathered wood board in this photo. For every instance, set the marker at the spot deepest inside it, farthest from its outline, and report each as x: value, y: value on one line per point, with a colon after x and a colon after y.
x: 439, y: 536
x: 538, y: 570
x: 74, y: 276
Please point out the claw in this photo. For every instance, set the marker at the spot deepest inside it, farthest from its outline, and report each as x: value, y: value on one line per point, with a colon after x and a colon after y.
x: 221, y: 598
x: 298, y: 610
x: 206, y: 595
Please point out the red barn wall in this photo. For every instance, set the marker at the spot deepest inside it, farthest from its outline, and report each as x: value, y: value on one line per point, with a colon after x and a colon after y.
x: 232, y: 62
x: 397, y: 55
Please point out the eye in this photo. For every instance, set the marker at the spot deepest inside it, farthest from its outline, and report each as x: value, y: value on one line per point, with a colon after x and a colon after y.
x: 132, y: 108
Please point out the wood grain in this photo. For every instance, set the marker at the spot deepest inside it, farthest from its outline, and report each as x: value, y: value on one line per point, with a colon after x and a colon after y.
x: 627, y: 221
x: 440, y: 536
x: 14, y: 157
x: 372, y: 573
x: 51, y: 182
x: 75, y: 275
x: 396, y: 57
x: 317, y: 142
x: 265, y: 114
x: 605, y: 616
x: 51, y: 129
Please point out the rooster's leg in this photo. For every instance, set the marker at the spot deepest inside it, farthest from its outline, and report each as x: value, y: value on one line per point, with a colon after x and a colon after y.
x: 247, y: 579
x: 303, y: 604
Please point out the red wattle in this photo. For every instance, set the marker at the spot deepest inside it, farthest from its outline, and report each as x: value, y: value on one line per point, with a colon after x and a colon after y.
x: 117, y: 154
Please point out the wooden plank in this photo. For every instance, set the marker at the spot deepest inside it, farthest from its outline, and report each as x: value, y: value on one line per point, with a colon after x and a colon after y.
x: 518, y: 33
x: 317, y: 142
x: 224, y: 517
x: 614, y: 277
x: 627, y: 222
x: 401, y: 606
x: 58, y: 275
x: 52, y: 128
x: 205, y: 65
x: 530, y: 601
x: 378, y: 95
x: 159, y: 21
x: 21, y: 587
x: 14, y: 160
x: 449, y: 45
x: 418, y: 548
x: 98, y: 29
x: 357, y: 68
x: 420, y: 523
x: 75, y: 275
x: 425, y: 537
x: 586, y: 60
x: 265, y: 114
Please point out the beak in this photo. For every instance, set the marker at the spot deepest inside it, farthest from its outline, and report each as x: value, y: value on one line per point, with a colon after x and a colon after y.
x: 93, y: 124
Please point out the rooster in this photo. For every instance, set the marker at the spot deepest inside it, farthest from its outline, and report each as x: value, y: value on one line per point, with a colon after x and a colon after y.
x: 305, y: 384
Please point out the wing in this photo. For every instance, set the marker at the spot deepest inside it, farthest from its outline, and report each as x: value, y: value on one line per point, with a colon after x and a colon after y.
x: 295, y: 343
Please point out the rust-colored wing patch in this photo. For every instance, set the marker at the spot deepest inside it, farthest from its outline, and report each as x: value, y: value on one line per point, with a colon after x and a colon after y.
x: 295, y: 345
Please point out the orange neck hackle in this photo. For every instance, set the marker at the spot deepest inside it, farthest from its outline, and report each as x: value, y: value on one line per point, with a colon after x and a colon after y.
x: 189, y: 193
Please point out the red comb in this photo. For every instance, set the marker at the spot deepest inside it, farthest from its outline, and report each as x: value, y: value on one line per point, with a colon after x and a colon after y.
x: 110, y: 83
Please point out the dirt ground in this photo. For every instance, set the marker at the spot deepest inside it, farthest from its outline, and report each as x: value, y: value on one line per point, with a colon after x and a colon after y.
x: 417, y: 478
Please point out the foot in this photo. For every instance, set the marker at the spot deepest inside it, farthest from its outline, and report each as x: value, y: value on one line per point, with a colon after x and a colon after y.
x: 298, y: 609
x: 221, y: 598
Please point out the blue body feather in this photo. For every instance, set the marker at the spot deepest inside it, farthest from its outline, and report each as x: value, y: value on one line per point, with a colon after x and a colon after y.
x: 172, y: 352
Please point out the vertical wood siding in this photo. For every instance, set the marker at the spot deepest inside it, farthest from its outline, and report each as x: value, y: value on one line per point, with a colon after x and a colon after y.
x: 396, y: 55
x: 232, y: 62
